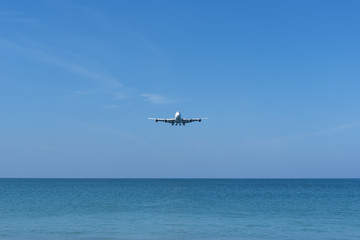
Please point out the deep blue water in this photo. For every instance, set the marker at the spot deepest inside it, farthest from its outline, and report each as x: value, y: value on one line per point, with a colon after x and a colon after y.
x: 179, y: 209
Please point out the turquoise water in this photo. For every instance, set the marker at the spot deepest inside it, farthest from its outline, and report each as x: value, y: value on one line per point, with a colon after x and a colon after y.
x: 179, y: 209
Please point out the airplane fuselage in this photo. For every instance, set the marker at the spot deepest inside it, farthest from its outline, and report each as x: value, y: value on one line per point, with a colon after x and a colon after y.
x: 177, y: 120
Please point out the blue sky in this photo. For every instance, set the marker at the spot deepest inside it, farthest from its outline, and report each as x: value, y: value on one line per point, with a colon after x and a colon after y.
x: 278, y: 80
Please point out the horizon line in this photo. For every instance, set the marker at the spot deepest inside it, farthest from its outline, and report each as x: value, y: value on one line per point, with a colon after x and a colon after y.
x: 185, y: 178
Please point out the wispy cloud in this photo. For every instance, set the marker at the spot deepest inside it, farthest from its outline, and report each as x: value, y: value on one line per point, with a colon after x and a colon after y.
x: 14, y: 16
x: 6, y: 12
x: 156, y: 98
x: 114, y: 87
x: 316, y: 133
x: 84, y: 71
x: 82, y: 92
x: 131, y: 137
x: 120, y: 94
x: 110, y: 106
x: 109, y: 84
x: 110, y: 130
x: 330, y: 130
x: 154, y: 49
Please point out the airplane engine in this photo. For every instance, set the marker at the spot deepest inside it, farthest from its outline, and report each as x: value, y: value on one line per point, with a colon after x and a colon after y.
x: 199, y: 120
x: 156, y: 120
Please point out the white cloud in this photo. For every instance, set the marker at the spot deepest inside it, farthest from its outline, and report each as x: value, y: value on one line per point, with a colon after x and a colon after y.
x: 155, y: 98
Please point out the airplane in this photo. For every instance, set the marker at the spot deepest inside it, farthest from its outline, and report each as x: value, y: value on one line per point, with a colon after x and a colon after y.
x: 178, y: 120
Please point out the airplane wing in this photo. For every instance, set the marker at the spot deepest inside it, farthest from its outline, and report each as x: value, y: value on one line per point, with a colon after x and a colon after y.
x: 185, y: 120
x: 168, y: 120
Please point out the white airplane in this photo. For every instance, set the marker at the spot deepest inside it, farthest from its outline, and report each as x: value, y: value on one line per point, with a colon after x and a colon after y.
x: 178, y: 120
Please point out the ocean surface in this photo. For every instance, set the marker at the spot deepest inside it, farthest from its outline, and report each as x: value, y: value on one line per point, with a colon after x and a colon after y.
x: 171, y: 209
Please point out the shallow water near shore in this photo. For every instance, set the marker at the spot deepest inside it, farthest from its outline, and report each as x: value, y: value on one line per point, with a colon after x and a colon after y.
x: 179, y: 209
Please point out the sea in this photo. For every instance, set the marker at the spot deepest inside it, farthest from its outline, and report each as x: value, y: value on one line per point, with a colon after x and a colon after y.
x: 174, y: 209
